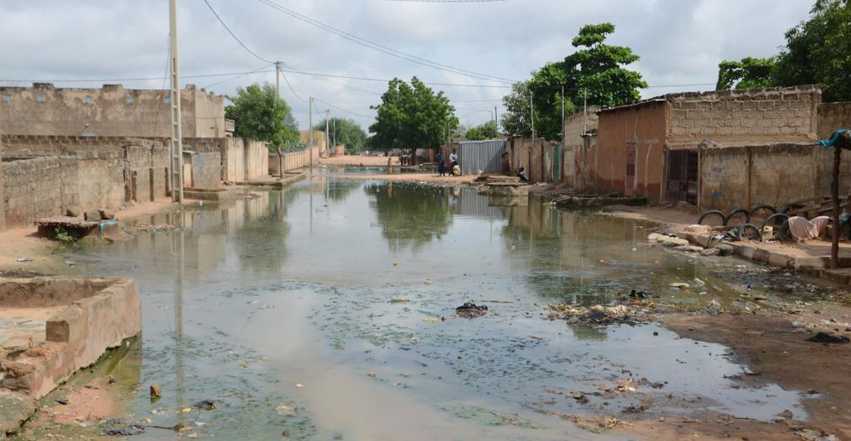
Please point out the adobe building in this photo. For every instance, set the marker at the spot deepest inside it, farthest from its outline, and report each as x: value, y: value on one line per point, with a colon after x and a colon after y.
x: 653, y: 147
x: 111, y: 111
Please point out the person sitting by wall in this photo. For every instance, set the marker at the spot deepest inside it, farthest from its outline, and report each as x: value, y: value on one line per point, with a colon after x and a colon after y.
x: 524, y: 177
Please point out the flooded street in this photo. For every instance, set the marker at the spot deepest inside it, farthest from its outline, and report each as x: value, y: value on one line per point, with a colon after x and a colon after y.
x: 327, y: 311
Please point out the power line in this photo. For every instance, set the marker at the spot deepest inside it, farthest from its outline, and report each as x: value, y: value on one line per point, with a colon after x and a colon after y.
x: 235, y: 37
x: 379, y: 47
x: 342, y: 109
x: 385, y: 80
x: 446, y: 1
x: 290, y: 86
x: 253, y: 72
x: 116, y: 80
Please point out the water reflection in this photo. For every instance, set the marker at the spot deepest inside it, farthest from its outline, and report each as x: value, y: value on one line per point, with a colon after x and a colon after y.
x: 256, y: 295
x: 410, y: 215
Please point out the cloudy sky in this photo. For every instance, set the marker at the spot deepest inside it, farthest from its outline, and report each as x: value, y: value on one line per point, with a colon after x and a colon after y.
x: 680, y: 43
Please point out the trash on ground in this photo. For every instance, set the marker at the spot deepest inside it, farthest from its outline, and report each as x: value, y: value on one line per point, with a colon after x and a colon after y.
x: 117, y: 427
x: 599, y: 314
x: 828, y: 338
x: 471, y: 310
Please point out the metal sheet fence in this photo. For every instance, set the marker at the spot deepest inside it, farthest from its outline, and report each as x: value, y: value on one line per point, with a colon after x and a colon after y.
x: 481, y: 156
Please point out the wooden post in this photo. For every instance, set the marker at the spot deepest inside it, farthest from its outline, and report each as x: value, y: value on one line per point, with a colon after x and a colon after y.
x: 834, y: 192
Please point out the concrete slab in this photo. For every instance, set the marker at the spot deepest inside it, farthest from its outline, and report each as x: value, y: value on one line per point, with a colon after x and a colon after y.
x: 54, y: 326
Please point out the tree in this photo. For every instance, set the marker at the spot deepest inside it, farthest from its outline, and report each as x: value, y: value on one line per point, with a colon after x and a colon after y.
x: 749, y: 73
x: 818, y: 51
x: 262, y: 115
x: 482, y: 132
x: 516, y: 119
x: 594, y: 68
x: 345, y: 131
x: 411, y: 116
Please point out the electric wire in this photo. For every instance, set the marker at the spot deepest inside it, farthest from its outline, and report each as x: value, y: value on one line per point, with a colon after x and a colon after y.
x: 380, y: 47
x: 233, y: 34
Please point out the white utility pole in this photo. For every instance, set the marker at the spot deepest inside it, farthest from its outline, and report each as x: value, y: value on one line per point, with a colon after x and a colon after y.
x: 278, y: 78
x: 176, y: 114
x: 496, y: 119
x: 532, y: 112
x: 310, y: 130
x: 585, y: 112
x: 327, y: 134
x: 562, y: 113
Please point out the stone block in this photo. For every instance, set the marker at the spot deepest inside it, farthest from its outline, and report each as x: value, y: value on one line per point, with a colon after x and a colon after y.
x: 92, y: 215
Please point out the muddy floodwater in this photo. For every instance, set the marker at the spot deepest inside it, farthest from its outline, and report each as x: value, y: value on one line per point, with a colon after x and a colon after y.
x: 327, y: 311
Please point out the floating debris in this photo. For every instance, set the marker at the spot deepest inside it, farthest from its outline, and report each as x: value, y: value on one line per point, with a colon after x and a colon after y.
x: 471, y: 310
x: 600, y: 315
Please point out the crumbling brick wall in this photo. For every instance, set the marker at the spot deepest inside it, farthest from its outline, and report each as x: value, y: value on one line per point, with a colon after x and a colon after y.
x: 2, y: 193
x: 46, y: 176
x: 751, y: 175
x: 39, y: 187
x: 766, y: 115
x: 832, y: 116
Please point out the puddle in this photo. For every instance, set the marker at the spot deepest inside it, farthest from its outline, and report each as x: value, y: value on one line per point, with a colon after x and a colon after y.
x: 326, y: 311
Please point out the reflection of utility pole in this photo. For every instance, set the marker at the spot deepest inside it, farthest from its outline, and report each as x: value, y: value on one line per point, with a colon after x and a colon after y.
x: 176, y: 114
x: 178, y: 315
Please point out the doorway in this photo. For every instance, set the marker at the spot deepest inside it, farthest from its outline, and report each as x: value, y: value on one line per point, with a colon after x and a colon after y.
x: 682, y: 176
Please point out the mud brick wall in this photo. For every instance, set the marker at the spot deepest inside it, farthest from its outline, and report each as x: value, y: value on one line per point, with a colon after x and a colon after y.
x: 747, y: 176
x: 2, y: 193
x: 256, y: 159
x: 39, y: 187
x: 44, y: 176
x: 233, y: 159
x: 832, y: 116
x: 146, y: 172
x: 101, y: 179
x: 108, y: 111
x: 206, y: 170
x: 780, y: 115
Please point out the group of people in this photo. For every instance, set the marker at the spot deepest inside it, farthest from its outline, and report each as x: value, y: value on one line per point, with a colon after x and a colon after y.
x: 454, y: 168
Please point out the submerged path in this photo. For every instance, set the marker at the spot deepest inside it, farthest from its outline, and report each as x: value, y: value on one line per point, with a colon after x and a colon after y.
x: 327, y: 311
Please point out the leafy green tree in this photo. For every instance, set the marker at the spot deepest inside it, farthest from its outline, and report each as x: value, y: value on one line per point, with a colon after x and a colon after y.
x: 262, y: 115
x: 818, y: 51
x: 595, y: 71
x: 411, y: 116
x: 748, y: 73
x: 482, y: 132
x: 517, y: 117
x: 345, y: 131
